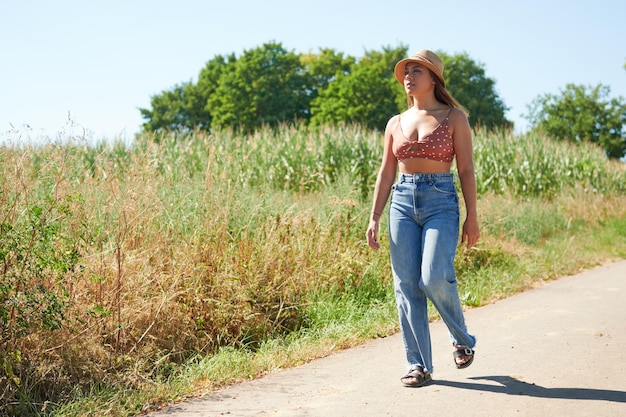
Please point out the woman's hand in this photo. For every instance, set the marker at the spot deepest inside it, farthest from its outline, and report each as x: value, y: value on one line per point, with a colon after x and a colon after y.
x: 470, y: 232
x: 372, y: 235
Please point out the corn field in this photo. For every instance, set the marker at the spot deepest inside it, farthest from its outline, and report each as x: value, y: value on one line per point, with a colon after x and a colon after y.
x: 120, y: 262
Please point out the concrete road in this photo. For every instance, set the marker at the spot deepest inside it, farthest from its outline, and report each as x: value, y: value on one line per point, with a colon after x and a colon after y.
x: 557, y: 350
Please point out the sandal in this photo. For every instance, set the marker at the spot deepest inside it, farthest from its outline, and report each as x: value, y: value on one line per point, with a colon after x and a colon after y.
x: 420, y: 378
x: 461, y: 354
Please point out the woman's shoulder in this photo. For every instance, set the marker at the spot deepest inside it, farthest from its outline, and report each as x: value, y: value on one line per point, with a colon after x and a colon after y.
x: 456, y: 116
x: 393, y: 122
x: 394, y: 119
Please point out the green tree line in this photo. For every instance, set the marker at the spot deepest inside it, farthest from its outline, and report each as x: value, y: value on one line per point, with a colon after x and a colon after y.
x: 269, y: 85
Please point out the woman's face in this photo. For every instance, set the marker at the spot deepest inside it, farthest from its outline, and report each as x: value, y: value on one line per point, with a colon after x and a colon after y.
x: 417, y: 76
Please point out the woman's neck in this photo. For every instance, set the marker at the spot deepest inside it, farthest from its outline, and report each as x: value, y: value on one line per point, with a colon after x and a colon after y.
x: 426, y: 102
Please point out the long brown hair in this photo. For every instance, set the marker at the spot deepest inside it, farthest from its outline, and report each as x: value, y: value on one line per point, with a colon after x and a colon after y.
x: 441, y: 95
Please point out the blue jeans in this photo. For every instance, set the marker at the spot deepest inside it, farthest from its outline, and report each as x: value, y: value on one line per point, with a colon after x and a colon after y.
x: 423, y: 237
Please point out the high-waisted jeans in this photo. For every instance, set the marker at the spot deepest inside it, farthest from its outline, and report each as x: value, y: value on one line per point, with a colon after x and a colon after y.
x: 423, y: 236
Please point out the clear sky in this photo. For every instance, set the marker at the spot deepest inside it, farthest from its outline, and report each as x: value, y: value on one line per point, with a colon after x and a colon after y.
x: 69, y: 65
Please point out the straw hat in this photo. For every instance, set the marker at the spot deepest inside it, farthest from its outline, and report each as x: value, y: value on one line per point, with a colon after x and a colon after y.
x: 426, y: 58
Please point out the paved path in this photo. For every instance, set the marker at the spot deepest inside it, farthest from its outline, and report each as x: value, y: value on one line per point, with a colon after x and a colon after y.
x: 556, y: 350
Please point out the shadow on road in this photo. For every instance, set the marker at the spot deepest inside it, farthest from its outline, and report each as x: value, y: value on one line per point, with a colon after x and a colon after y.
x: 512, y: 386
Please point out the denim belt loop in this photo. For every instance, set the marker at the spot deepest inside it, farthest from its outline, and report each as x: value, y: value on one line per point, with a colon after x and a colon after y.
x: 410, y: 178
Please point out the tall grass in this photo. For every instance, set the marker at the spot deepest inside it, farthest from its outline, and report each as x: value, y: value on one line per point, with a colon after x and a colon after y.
x: 533, y: 165
x: 122, y: 263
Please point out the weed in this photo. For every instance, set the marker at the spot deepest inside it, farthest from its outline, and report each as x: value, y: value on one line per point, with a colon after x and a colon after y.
x: 134, y: 274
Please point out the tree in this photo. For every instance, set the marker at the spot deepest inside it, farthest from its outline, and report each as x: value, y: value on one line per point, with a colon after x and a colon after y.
x: 366, y: 95
x: 181, y: 108
x: 269, y: 85
x: 184, y: 108
x: 369, y: 94
x: 468, y: 84
x: 323, y: 68
x: 582, y: 114
x: 265, y: 86
x: 209, y: 80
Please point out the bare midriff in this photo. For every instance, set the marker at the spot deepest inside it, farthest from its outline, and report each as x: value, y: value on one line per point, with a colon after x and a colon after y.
x: 423, y: 166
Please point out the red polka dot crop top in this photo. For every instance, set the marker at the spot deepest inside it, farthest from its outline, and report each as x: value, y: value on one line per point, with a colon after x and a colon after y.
x: 436, y: 146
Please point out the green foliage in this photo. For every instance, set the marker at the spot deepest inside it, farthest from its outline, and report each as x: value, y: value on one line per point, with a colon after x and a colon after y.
x: 582, y: 114
x: 531, y: 165
x: 532, y: 226
x: 268, y: 85
x: 301, y: 160
x: 265, y: 86
x: 467, y: 82
x: 184, y: 245
x: 367, y: 95
x: 614, y: 237
x: 324, y: 67
x: 37, y: 254
x: 181, y: 108
x: 209, y: 81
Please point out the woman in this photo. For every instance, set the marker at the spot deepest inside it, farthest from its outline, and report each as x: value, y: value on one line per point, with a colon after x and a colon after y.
x: 421, y: 143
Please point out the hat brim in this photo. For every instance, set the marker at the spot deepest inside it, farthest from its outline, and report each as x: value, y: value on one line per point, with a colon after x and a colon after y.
x: 399, y: 69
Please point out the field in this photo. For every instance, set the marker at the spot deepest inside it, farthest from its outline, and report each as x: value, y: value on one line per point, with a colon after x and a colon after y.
x: 132, y: 275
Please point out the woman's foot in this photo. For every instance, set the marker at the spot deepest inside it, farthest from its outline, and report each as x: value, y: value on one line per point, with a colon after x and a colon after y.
x: 416, y: 377
x: 463, y: 357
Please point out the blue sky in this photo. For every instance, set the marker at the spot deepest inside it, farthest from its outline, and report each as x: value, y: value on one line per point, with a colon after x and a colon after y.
x: 69, y: 67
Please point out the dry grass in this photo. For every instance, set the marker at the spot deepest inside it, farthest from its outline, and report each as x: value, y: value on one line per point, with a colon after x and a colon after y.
x: 181, y: 248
